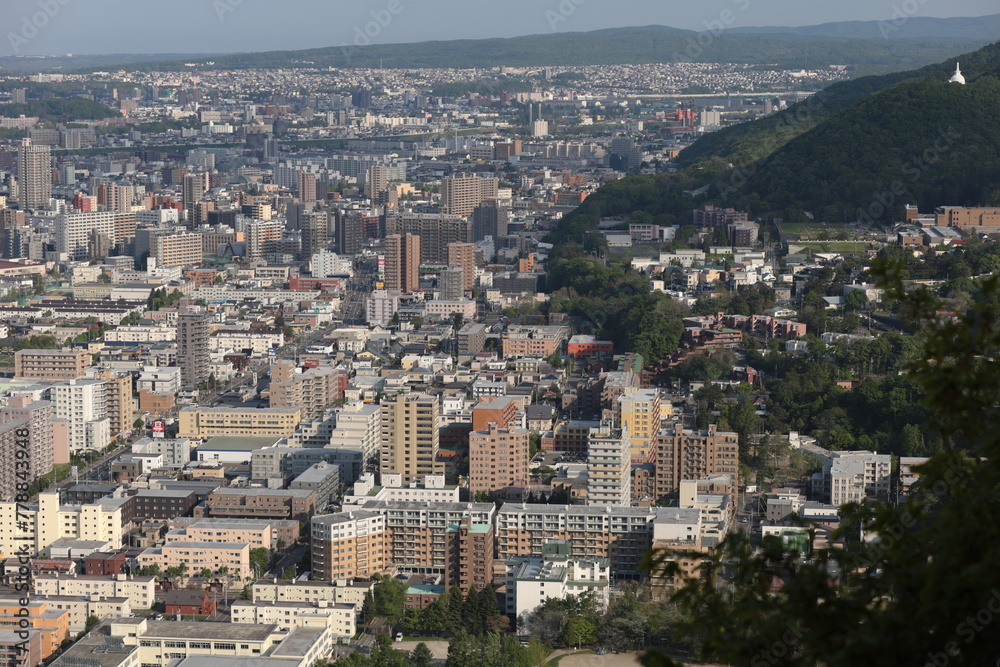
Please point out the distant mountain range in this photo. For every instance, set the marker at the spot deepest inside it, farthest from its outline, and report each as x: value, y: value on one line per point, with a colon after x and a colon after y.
x: 866, y: 46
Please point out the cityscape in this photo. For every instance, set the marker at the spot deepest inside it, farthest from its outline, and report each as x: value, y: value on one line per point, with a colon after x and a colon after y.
x: 602, y: 361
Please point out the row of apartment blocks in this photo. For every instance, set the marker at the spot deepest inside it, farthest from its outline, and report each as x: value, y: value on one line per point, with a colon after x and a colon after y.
x: 467, y: 544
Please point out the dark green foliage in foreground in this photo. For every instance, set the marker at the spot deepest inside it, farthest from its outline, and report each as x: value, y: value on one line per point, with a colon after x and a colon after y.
x: 928, y: 591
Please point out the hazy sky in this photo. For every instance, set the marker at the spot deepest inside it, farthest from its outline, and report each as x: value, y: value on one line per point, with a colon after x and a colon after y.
x: 223, y: 26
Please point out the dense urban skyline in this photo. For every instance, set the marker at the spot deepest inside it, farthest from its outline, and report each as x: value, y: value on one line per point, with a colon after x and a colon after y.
x: 224, y: 26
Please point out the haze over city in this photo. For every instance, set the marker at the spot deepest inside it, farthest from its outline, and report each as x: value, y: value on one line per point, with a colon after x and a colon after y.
x: 226, y: 26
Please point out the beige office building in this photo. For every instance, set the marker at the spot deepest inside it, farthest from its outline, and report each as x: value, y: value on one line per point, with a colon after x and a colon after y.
x: 34, y: 175
x: 199, y: 556
x: 410, y: 437
x: 51, y: 364
x: 204, y: 423
x: 462, y: 193
x: 183, y: 249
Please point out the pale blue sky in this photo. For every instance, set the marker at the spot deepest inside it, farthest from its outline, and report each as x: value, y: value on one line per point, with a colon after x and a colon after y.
x: 221, y: 26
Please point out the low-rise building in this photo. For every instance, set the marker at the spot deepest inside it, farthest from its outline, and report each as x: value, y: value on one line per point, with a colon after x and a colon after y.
x: 341, y: 619
x: 140, y: 590
x: 556, y: 575
x: 198, y: 556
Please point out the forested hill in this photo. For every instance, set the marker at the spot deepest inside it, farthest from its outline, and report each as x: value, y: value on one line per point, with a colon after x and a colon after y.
x: 750, y: 142
x: 859, y: 152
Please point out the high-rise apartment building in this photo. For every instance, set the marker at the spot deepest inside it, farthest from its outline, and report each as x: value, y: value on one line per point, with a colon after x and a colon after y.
x: 463, y: 256
x: 192, y: 346
x: 681, y: 455
x: 469, y: 554
x: 462, y: 193
x: 349, y: 231
x: 609, y: 467
x: 489, y: 219
x: 118, y: 385
x: 348, y: 544
x: 402, y: 262
x: 498, y: 461
x: 73, y: 231
x: 852, y: 477
x: 51, y: 364
x: 36, y: 417
x: 315, y: 233
x: 451, y: 284
x: 34, y: 175
x: 377, y: 183
x: 262, y: 237
x: 639, y: 410
x: 313, y: 390
x: 81, y: 408
x: 410, y: 436
x: 194, y: 188
x: 435, y: 232
x: 307, y: 186
x: 177, y: 249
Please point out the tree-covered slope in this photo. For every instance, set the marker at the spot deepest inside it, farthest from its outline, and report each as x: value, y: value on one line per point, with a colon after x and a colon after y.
x: 929, y: 143
x: 751, y: 142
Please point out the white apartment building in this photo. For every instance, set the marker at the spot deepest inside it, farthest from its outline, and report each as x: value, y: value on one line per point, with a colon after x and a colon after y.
x: 72, y: 231
x: 330, y: 264
x: 140, y: 591
x: 340, y: 591
x: 140, y: 642
x: 174, y: 451
x: 159, y: 379
x: 140, y: 334
x: 556, y: 575
x: 38, y: 526
x: 82, y: 405
x: 609, y: 467
x: 340, y: 619
x: 851, y: 477
x: 358, y: 426
x: 429, y: 489
x: 236, y: 339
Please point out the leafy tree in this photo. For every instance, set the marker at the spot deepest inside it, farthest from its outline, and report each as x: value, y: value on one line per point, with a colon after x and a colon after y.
x: 920, y: 593
x: 390, y: 598
x: 259, y: 560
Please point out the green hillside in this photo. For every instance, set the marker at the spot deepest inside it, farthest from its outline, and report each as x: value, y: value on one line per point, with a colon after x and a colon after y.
x: 929, y: 143
x: 59, y: 110
x: 857, y: 151
x: 746, y: 143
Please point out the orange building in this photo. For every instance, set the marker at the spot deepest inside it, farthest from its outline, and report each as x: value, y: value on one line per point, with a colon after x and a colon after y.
x: 53, y: 624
